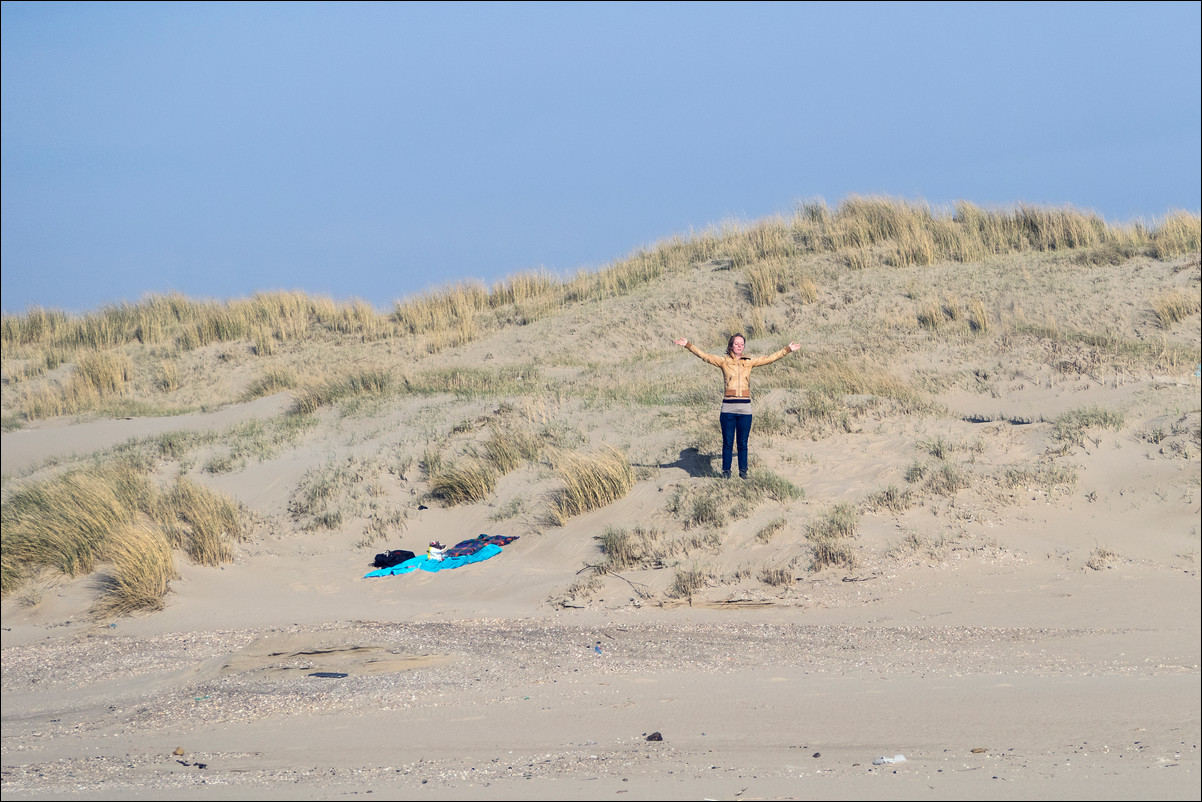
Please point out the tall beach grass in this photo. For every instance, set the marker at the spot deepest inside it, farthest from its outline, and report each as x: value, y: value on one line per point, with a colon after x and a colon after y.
x: 112, y: 513
x: 859, y: 232
x: 590, y: 482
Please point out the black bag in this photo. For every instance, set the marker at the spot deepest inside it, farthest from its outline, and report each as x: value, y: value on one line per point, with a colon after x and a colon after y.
x: 388, y: 559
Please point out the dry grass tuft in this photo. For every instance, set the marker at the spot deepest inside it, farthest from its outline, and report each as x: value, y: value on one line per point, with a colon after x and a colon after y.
x: 892, y: 498
x: 687, y: 581
x: 107, y: 372
x: 590, y: 482
x: 112, y: 512
x: 978, y: 316
x: 142, y: 570
x: 778, y: 575
x: 712, y: 503
x: 473, y: 382
x: 830, y: 538
x: 768, y: 530
x: 465, y: 482
x: 930, y: 315
x: 1072, y: 428
x: 366, y: 382
x: 915, y: 544
x: 64, y: 522
x: 624, y: 548
x: 1101, y: 558
x: 205, y: 524
x: 1179, y: 233
x: 508, y: 448
x: 1174, y: 306
x: 766, y: 280
x: 271, y: 382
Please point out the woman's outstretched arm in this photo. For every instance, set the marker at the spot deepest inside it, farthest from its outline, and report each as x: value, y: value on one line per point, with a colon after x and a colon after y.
x: 713, y: 360
x: 769, y: 358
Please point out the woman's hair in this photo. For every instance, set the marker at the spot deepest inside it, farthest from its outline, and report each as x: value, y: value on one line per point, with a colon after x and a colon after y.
x: 730, y: 344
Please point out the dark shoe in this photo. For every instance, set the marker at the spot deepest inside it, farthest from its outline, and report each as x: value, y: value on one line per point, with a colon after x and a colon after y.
x: 726, y: 474
x: 743, y: 476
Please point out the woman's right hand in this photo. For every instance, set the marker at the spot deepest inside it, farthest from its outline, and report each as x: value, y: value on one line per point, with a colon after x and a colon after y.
x: 681, y: 342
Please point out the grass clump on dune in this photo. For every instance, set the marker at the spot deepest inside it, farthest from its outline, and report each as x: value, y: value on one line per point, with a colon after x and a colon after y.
x: 1174, y: 306
x: 141, y: 572
x: 624, y: 548
x: 687, y: 581
x: 892, y: 498
x: 590, y: 482
x: 65, y: 522
x: 97, y: 376
x: 830, y: 538
x: 472, y: 382
x: 465, y: 482
x: 112, y: 513
x: 778, y: 575
x: 509, y: 447
x: 203, y: 523
x: 714, y: 502
x: 1072, y: 428
x: 271, y: 382
x: 365, y: 382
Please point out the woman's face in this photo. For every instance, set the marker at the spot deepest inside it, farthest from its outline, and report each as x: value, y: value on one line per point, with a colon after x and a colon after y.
x: 736, y: 347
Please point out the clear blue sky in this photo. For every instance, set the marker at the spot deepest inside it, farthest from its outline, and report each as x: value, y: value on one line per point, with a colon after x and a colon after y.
x: 379, y: 150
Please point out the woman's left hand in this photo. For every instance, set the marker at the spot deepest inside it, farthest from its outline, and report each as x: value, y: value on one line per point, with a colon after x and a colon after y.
x: 794, y: 346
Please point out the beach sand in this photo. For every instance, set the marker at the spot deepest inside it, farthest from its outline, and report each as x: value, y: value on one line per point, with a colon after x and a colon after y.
x: 1017, y: 674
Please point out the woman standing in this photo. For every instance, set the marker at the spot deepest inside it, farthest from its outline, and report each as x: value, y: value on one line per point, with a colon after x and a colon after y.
x: 735, y: 418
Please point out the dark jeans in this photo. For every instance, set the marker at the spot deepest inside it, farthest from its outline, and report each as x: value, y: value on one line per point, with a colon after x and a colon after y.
x: 735, y: 428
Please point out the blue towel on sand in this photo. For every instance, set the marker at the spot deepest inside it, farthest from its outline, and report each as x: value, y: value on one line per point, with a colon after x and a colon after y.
x: 426, y: 564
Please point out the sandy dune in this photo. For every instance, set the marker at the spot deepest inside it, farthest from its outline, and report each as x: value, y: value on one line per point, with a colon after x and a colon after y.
x: 1016, y: 639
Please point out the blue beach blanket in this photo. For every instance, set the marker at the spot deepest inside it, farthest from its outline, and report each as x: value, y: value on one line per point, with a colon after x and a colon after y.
x: 424, y: 563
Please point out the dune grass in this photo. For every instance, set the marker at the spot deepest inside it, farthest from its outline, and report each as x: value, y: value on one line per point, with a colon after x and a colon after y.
x: 271, y: 381
x: 65, y: 522
x: 624, y: 548
x: 509, y: 447
x: 778, y: 575
x: 1173, y: 307
x: 898, y: 232
x: 830, y: 537
x: 205, y: 524
x: 465, y: 481
x: 768, y: 530
x: 473, y: 382
x: 113, y: 513
x: 186, y: 323
x: 891, y: 498
x: 1073, y: 428
x: 590, y: 481
x: 140, y: 574
x: 714, y: 502
x: 860, y: 232
x: 687, y: 580
x: 371, y: 381
x: 1046, y: 476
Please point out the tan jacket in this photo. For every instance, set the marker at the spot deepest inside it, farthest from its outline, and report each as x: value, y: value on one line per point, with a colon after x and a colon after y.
x: 737, y: 372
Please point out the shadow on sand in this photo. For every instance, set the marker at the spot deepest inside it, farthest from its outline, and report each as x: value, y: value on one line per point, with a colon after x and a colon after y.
x: 693, y: 462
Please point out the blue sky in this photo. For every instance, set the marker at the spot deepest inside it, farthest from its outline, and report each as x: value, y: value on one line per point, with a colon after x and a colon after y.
x: 379, y: 150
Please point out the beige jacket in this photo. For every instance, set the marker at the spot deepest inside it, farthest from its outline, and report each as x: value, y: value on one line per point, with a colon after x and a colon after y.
x: 737, y: 372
